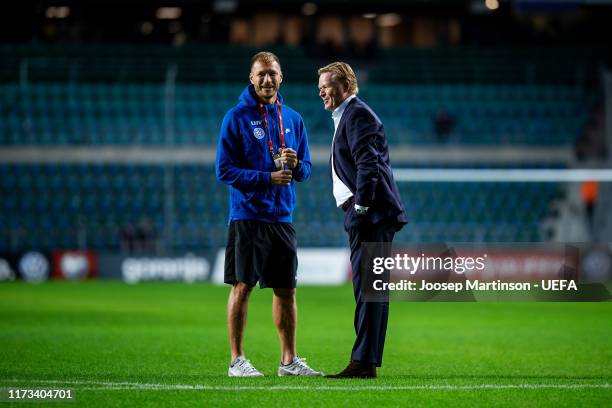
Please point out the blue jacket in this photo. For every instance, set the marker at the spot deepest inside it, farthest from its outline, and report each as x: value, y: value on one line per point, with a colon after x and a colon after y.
x: 244, y: 161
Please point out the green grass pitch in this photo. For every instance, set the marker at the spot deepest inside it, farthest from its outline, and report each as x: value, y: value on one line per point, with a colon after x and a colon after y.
x: 122, y: 345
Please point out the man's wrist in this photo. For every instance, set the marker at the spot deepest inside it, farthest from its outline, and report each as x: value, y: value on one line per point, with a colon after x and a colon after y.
x: 361, y: 210
x: 297, y: 165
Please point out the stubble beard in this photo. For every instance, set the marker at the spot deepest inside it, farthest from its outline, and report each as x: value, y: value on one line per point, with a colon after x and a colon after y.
x: 265, y: 97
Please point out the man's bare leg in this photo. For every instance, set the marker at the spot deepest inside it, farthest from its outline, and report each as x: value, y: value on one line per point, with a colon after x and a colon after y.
x: 284, y: 313
x: 237, y: 307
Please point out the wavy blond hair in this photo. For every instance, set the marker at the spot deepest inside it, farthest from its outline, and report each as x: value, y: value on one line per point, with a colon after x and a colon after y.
x: 341, y: 71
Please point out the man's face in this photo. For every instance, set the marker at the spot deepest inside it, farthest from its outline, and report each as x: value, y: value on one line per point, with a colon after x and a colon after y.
x: 266, y: 78
x: 331, y: 91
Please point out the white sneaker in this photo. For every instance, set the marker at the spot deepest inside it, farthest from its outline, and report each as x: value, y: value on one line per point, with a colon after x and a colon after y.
x: 241, y: 367
x: 297, y: 367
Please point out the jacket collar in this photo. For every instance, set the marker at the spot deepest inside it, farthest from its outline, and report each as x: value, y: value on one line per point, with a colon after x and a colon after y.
x: 248, y: 98
x: 348, y: 106
x: 340, y: 109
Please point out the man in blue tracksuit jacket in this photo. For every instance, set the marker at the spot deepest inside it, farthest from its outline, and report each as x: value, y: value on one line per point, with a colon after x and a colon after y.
x: 263, y: 150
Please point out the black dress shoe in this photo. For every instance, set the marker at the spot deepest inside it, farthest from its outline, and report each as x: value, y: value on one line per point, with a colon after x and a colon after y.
x: 356, y: 369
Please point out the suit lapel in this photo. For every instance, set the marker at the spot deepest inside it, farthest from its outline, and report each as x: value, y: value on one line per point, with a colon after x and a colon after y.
x: 339, y: 133
x: 345, y: 114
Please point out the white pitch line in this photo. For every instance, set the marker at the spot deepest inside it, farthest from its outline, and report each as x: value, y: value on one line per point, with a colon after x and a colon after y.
x: 103, y: 385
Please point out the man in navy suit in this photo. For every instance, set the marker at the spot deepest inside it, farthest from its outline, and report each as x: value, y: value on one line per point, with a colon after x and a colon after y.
x: 364, y: 187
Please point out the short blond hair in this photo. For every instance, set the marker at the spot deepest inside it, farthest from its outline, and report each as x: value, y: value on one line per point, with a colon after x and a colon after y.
x: 341, y: 71
x: 266, y: 57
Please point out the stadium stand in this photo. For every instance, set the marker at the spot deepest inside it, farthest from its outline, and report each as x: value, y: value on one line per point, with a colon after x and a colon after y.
x: 69, y: 95
x: 221, y: 62
x: 499, y: 65
x: 59, y: 113
x: 70, y: 206
x: 140, y: 63
x: 115, y: 94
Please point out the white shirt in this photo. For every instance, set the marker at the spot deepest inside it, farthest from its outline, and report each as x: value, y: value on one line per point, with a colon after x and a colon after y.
x: 341, y: 191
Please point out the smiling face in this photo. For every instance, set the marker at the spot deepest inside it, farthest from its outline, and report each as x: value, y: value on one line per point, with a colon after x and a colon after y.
x: 266, y: 78
x: 332, y: 92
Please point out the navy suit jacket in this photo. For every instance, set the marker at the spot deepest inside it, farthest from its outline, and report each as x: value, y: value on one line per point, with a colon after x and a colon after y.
x: 361, y: 161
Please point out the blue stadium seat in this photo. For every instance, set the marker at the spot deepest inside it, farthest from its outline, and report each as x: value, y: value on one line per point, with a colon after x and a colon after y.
x: 65, y: 113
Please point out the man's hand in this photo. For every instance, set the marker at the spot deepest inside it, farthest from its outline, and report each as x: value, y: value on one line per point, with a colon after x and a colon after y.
x: 289, y: 157
x: 281, y: 177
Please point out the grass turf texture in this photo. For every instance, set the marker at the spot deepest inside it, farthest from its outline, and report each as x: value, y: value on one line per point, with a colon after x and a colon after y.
x: 96, y: 333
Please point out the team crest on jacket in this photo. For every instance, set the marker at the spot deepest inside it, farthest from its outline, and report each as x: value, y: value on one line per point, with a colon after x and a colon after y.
x: 259, y: 133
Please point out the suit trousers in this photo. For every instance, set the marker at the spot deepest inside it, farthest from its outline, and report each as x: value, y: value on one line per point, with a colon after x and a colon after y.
x: 370, y: 319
